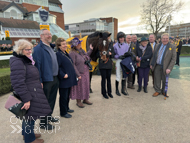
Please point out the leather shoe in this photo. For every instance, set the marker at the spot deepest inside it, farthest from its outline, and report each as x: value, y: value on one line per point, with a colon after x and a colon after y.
x: 166, y: 95
x: 70, y: 111
x: 156, y: 94
x: 36, y: 136
x: 66, y: 116
x: 38, y: 141
x: 110, y: 95
x: 53, y: 119
x: 91, y: 90
x: 105, y: 96
x: 46, y: 126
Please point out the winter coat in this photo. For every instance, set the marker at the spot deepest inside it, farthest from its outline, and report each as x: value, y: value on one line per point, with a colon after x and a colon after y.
x: 25, y: 80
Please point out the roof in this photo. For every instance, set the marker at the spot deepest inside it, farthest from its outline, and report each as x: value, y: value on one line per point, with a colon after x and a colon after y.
x: 55, y: 1
x: 5, y: 5
x: 17, y: 23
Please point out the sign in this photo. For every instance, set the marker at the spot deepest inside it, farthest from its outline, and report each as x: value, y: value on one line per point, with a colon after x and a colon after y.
x: 43, y: 14
x: 7, y: 33
x: 44, y: 27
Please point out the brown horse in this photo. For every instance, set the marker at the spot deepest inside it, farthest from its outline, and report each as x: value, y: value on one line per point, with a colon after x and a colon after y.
x: 99, y: 41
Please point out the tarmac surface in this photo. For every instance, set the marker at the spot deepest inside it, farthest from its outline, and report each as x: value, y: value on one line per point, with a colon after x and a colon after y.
x: 137, y: 118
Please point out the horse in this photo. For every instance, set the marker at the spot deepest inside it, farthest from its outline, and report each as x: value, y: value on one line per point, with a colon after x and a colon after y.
x: 100, y: 43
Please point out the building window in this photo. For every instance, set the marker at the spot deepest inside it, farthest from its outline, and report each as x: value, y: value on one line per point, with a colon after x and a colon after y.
x: 13, y: 14
x: 7, y: 14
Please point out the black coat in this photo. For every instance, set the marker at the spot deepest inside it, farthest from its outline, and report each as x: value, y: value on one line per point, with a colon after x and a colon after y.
x: 66, y: 67
x: 145, y: 60
x: 25, y: 80
x: 107, y: 65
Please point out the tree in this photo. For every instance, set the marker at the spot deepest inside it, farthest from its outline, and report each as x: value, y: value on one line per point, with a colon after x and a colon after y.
x: 156, y: 14
x: 7, y: 38
x: 54, y: 38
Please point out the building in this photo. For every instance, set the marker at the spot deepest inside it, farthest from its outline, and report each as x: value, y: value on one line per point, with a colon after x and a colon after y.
x: 95, y: 24
x: 21, y: 18
x: 181, y: 30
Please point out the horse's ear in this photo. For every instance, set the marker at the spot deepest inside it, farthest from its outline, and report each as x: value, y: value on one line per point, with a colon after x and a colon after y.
x: 101, y: 34
x: 109, y: 35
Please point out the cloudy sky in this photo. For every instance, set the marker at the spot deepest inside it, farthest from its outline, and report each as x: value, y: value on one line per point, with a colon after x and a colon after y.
x: 126, y: 11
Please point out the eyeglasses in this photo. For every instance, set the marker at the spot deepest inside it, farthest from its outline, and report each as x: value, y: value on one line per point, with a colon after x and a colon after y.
x: 48, y: 34
x: 28, y: 50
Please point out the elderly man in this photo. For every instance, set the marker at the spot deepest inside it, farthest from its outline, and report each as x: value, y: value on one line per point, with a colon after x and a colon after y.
x: 132, y: 48
x: 152, y: 43
x: 120, y: 48
x: 162, y: 63
x: 46, y: 62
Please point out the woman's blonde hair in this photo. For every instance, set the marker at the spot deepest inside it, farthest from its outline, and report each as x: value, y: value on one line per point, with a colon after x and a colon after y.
x: 20, y: 45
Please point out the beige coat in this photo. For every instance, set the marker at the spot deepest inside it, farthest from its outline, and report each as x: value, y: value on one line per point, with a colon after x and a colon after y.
x: 169, y: 57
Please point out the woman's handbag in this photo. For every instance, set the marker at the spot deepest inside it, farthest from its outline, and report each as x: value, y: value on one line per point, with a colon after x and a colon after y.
x: 14, y: 105
x: 139, y: 63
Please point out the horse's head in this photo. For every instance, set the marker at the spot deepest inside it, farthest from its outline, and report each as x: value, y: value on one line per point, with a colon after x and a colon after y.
x: 103, y: 45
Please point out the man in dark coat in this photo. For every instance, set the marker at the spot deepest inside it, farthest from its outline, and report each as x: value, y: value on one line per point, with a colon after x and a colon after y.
x: 178, y: 44
x: 136, y: 43
x: 46, y: 62
x: 132, y: 48
x: 152, y: 43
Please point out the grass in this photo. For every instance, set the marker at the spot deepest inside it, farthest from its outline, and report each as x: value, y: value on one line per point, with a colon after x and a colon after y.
x: 184, y: 55
x: 5, y: 71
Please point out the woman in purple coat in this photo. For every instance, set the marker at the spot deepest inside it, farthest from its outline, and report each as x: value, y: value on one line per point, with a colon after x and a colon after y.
x: 26, y: 83
x: 79, y: 56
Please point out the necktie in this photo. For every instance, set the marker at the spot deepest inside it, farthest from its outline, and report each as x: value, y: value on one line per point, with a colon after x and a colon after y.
x: 160, y: 54
x: 152, y: 46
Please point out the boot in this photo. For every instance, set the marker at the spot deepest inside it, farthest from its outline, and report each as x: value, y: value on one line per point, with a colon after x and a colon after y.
x: 123, y: 88
x: 139, y: 89
x: 116, y: 87
x: 145, y: 90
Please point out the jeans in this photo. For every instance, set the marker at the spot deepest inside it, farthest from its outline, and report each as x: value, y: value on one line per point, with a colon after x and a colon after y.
x: 28, y: 130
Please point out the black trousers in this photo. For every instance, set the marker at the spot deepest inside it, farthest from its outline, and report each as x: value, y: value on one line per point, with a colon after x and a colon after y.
x: 90, y: 76
x: 64, y: 100
x: 106, y: 75
x: 177, y: 58
x: 50, y: 89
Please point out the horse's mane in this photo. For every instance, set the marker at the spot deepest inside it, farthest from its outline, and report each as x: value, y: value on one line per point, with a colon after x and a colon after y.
x: 93, y: 39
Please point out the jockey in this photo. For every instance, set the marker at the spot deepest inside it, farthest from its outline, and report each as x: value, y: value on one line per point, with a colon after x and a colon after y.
x: 120, y: 49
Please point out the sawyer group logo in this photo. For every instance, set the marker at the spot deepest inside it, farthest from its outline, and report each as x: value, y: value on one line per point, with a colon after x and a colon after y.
x: 26, y: 126
x: 43, y: 14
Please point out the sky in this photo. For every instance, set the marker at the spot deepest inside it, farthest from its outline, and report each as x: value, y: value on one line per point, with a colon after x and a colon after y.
x: 126, y: 11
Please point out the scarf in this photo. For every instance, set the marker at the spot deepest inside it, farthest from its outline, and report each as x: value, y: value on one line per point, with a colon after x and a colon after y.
x: 142, y: 48
x: 31, y: 58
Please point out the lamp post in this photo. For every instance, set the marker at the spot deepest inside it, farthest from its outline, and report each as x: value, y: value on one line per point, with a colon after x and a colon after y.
x: 169, y: 25
x: 0, y: 29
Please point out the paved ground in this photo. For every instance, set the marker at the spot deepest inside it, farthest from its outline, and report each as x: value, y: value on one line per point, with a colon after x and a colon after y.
x: 139, y: 118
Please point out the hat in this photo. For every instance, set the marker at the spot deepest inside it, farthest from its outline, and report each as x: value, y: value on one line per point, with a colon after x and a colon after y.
x: 75, y: 41
x: 171, y: 38
x: 177, y: 37
x: 143, y: 39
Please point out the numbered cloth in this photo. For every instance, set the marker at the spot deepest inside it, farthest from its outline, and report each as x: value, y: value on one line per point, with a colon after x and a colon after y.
x: 127, y: 66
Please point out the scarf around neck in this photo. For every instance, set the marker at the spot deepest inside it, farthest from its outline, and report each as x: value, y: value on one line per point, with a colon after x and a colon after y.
x: 142, y: 48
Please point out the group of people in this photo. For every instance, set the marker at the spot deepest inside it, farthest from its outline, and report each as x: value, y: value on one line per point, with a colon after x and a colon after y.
x: 149, y: 56
x: 5, y: 47
x: 37, y: 74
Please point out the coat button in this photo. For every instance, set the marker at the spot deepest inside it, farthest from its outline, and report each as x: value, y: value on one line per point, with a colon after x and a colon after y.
x: 34, y: 89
